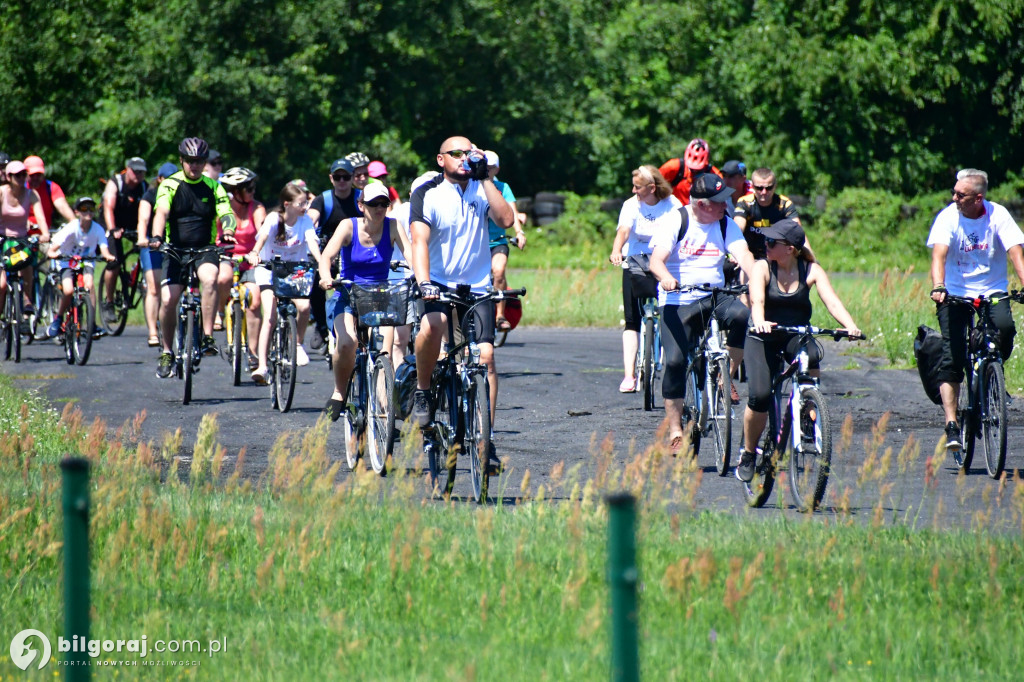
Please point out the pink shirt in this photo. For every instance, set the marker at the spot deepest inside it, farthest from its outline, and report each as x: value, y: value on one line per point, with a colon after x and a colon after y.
x: 14, y: 219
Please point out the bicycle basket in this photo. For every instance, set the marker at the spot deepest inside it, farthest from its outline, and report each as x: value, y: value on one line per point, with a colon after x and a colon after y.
x: 381, y: 305
x: 292, y: 280
x: 17, y: 255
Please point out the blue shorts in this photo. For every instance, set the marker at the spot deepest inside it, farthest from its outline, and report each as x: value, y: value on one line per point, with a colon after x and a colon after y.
x: 151, y: 260
x: 338, y: 305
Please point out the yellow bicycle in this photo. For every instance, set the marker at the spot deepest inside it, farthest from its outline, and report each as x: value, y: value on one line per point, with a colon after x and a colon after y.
x: 236, y: 348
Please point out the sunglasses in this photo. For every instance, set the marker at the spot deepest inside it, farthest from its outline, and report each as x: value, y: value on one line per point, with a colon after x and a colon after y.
x: 769, y: 242
x: 959, y: 196
x: 381, y: 203
x: 247, y: 187
x: 457, y: 153
x: 22, y: 174
x: 218, y: 162
x: 194, y: 161
x: 341, y: 177
x: 764, y: 188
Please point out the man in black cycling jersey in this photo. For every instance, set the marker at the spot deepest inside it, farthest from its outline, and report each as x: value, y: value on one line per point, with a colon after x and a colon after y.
x: 761, y: 208
x: 121, y: 199
x: 189, y: 207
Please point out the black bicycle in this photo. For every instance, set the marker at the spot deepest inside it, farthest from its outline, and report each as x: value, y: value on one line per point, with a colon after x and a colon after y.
x: 799, y: 427
x: 129, y: 287
x: 189, y: 333
x: 18, y: 255
x: 981, y: 409
x: 290, y: 281
x: 462, y: 411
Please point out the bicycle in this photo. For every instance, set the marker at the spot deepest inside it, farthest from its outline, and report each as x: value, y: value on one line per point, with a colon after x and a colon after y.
x: 981, y: 409
x: 236, y: 347
x: 290, y: 280
x: 799, y: 427
x: 369, y: 398
x: 18, y: 254
x: 707, y: 404
x: 129, y: 288
x: 80, y: 317
x: 649, y: 358
x: 462, y: 411
x: 189, y: 333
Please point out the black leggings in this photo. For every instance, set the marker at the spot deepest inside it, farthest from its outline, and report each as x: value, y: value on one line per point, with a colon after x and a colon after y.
x: 761, y: 358
x: 682, y: 327
x: 953, y: 321
x: 634, y: 290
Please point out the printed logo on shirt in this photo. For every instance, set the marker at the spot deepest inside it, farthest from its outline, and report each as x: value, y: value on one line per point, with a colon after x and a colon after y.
x: 974, y: 243
x: 688, y: 248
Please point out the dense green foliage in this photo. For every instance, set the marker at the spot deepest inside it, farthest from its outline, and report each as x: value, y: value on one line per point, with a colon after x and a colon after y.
x: 573, y: 94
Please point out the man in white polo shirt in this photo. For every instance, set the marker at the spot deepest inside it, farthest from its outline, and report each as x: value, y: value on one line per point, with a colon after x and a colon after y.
x: 451, y: 246
x: 971, y: 241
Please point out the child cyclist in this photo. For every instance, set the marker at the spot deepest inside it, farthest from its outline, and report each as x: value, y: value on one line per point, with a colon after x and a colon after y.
x: 80, y: 237
x: 289, y: 233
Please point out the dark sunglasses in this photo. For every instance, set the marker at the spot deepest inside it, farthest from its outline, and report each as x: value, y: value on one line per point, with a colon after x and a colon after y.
x: 456, y: 153
x: 194, y: 161
x: 764, y: 188
x: 959, y: 196
x: 378, y: 203
x: 341, y: 177
x: 22, y: 174
x: 247, y: 187
x: 218, y: 162
x: 772, y: 242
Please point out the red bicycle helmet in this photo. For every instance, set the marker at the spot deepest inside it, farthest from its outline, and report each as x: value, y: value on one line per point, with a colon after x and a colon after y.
x: 194, y: 147
x: 696, y: 156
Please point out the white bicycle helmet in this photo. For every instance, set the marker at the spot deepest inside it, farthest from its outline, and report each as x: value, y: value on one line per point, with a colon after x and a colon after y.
x: 236, y: 176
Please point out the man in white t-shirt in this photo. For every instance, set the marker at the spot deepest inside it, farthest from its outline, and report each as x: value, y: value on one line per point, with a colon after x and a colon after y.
x: 971, y: 241
x: 451, y: 246
x: 697, y: 257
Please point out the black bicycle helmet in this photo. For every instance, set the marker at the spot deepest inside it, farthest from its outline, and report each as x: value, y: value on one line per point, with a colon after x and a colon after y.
x: 236, y: 176
x: 194, y: 147
x: 5, y: 158
x: 358, y: 159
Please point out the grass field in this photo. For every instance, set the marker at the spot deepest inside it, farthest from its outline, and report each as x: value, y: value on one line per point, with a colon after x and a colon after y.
x: 304, y: 577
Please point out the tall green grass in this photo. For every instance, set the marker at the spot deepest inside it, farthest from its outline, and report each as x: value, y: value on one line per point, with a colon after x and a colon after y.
x: 309, y: 574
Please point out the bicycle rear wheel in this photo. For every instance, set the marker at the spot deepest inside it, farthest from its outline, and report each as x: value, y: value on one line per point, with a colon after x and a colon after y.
x: 85, y: 325
x: 122, y: 294
x: 354, y: 415
x: 964, y: 455
x: 647, y: 369
x: 235, y: 321
x: 809, y: 465
x: 718, y: 388
x: 14, y: 295
x: 760, y: 487
x: 993, y: 418
x: 188, y: 353
x: 478, y: 435
x: 284, y: 377
x: 443, y: 448
x: 380, y: 414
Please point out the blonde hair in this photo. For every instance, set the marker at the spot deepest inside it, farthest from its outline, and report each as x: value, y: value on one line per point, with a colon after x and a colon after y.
x: 652, y: 176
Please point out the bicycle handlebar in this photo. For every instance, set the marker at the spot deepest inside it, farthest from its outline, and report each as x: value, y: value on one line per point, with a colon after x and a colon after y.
x: 819, y: 331
x: 979, y: 301
x: 708, y: 288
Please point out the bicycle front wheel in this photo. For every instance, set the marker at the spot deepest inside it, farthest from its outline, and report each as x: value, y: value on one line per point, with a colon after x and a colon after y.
x: 84, y: 327
x: 692, y: 405
x: 70, y: 333
x: 122, y: 294
x: 647, y: 369
x: 760, y: 487
x: 46, y: 308
x: 719, y: 386
x: 380, y: 414
x: 964, y: 455
x: 355, y: 409
x: 235, y: 321
x: 993, y: 418
x: 810, y: 462
x: 284, y: 377
x: 188, y: 353
x: 16, y: 320
x: 478, y: 435
x: 443, y: 445
x: 10, y: 325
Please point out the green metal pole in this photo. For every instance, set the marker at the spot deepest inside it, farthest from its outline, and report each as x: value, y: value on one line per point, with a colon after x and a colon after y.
x: 76, y: 565
x: 622, y: 579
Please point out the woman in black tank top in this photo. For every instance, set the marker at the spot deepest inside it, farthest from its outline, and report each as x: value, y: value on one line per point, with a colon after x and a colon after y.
x: 780, y: 294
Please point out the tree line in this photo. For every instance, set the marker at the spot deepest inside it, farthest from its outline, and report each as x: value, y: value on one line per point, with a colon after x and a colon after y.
x: 571, y: 93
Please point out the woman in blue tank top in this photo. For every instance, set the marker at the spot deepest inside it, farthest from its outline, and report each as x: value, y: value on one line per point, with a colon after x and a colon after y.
x: 364, y: 246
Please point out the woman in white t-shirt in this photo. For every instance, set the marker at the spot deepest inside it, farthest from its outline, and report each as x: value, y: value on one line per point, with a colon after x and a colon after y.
x: 650, y: 210
x: 289, y: 233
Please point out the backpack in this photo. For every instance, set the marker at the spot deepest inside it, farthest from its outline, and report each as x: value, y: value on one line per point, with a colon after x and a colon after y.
x: 686, y: 223
x: 329, y: 207
x: 928, y: 351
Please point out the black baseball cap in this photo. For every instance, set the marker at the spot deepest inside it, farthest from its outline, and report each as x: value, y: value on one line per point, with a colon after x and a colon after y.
x: 787, y: 230
x: 342, y: 164
x: 214, y: 156
x: 82, y: 201
x: 711, y: 187
x: 734, y: 168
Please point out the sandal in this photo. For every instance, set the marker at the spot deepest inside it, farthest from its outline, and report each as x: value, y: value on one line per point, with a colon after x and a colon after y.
x: 502, y: 324
x: 334, y: 409
x: 259, y: 378
x: 153, y: 341
x: 628, y: 385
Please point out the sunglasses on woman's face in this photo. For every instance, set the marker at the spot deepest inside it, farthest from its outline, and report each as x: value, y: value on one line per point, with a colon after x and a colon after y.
x: 769, y: 242
x: 381, y: 203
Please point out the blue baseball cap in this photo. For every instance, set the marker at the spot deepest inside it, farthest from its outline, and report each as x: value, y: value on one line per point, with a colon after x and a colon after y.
x: 167, y: 170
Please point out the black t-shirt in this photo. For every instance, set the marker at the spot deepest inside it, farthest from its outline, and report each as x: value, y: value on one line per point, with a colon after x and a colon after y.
x: 758, y: 216
x: 150, y: 198
x: 126, y: 204
x: 343, y: 208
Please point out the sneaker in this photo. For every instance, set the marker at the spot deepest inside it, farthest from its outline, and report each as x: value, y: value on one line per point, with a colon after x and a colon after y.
x: 301, y: 359
x: 164, y: 366
x: 209, y: 346
x: 53, y: 330
x: 422, y: 415
x: 953, y: 436
x: 107, y: 312
x: 98, y: 333
x: 745, y: 470
x: 317, y: 342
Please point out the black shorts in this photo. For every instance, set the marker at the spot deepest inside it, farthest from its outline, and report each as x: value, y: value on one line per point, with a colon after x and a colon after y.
x: 173, y: 273
x: 482, y: 316
x: 500, y: 248
x: 116, y: 249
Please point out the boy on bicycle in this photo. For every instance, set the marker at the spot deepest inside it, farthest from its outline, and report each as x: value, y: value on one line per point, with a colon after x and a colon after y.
x: 81, y: 237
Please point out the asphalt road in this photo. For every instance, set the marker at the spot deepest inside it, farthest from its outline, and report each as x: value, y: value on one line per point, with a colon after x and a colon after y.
x: 558, y: 402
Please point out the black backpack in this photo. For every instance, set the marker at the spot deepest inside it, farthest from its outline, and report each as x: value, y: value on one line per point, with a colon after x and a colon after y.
x: 686, y: 223
x: 928, y: 351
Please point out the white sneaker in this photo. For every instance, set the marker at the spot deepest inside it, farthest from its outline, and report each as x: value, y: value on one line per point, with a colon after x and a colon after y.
x: 301, y: 359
